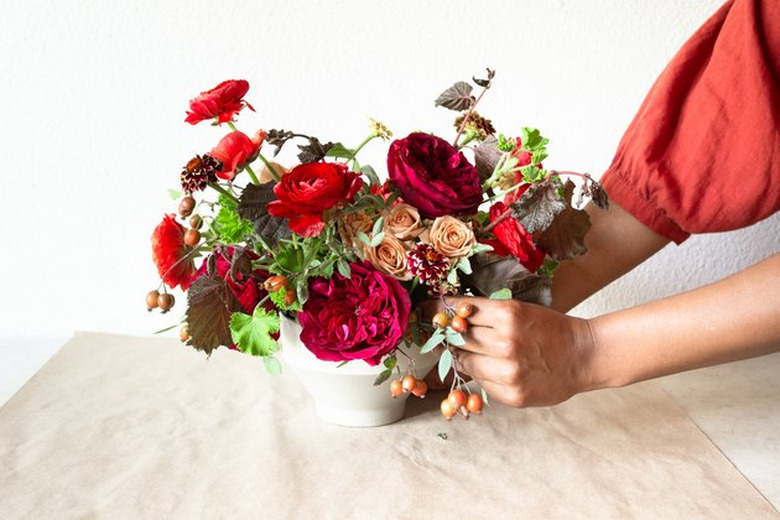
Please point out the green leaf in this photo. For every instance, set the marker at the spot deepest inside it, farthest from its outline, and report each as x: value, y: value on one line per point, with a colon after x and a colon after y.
x: 278, y: 298
x: 484, y: 396
x: 533, y: 141
x: 436, y: 338
x: 456, y: 339
x: 382, y: 377
x: 452, y: 276
x: 390, y: 362
x: 340, y: 151
x: 445, y: 364
x: 380, y: 222
x: 344, y: 269
x: 501, y: 294
x: 210, y: 305
x: 174, y: 194
x: 377, y: 239
x: 229, y: 225
x: 481, y: 248
x: 369, y: 172
x: 272, y: 365
x: 252, y: 334
x: 464, y: 265
x: 363, y: 238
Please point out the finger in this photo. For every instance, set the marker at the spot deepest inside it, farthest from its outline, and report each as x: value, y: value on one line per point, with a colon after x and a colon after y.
x: 501, y: 394
x: 485, y: 312
x: 487, y: 368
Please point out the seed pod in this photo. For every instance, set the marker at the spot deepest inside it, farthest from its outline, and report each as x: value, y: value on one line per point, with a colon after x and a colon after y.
x: 196, y: 221
x: 186, y: 206
x: 151, y: 300
x: 192, y: 237
x: 165, y: 302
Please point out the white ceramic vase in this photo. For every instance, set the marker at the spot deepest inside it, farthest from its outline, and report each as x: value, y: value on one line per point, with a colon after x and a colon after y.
x: 346, y: 395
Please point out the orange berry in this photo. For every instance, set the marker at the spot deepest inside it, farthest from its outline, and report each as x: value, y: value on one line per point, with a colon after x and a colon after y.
x: 464, y: 309
x: 165, y: 302
x: 151, y: 300
x: 459, y: 324
x: 276, y: 282
x: 408, y: 383
x: 447, y: 409
x: 463, y: 410
x: 420, y: 388
x: 457, y: 398
x: 474, y: 404
x: 289, y: 297
x: 184, y: 334
x: 192, y: 237
x: 396, y: 389
x: 440, y: 320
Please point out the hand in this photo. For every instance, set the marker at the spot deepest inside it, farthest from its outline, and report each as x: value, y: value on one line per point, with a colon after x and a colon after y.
x: 522, y: 354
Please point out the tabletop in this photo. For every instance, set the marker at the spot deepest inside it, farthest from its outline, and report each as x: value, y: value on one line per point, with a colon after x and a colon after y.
x: 123, y: 427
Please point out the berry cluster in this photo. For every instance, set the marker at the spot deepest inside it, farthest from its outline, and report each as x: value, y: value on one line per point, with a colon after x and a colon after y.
x: 408, y: 385
x: 277, y: 283
x: 457, y: 401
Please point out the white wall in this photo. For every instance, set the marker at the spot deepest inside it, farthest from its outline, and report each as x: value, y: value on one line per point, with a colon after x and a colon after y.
x: 93, y: 95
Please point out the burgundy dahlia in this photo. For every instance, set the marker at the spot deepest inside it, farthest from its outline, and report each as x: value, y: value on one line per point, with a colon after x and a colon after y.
x: 199, y: 172
x: 428, y: 265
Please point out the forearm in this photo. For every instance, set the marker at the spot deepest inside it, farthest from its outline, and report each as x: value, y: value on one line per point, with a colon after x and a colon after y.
x: 735, y: 318
x: 616, y: 243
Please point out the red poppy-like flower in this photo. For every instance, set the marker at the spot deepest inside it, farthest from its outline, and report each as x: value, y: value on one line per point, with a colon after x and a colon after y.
x: 361, y: 317
x: 515, y: 239
x: 168, y: 251
x: 246, y: 288
x: 222, y: 102
x: 433, y: 176
x: 234, y: 151
x: 310, y: 189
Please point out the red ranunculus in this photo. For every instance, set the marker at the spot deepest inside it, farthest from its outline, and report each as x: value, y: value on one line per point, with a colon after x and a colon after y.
x: 523, y: 159
x: 433, y: 176
x: 308, y: 190
x: 515, y: 239
x: 246, y: 288
x: 362, y: 317
x: 168, y: 250
x: 222, y: 102
x: 235, y: 150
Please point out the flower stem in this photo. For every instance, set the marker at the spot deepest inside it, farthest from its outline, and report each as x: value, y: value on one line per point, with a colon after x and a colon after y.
x: 361, y: 145
x: 223, y: 191
x: 232, y: 126
x: 251, y: 174
x: 468, y: 116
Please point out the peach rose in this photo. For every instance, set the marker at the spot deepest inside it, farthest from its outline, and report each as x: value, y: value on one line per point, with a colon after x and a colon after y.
x: 389, y: 257
x: 350, y: 224
x: 403, y: 222
x: 451, y: 237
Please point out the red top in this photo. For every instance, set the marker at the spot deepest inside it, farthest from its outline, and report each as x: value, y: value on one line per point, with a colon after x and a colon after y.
x: 703, y: 152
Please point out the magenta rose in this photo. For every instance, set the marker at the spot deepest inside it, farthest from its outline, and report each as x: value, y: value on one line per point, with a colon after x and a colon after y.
x: 362, y: 317
x: 433, y: 176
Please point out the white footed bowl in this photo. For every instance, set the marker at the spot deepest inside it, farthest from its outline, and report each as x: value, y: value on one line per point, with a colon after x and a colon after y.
x: 346, y: 395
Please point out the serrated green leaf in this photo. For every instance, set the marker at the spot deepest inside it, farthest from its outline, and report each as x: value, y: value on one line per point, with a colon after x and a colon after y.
x: 382, y: 377
x: 436, y: 338
x: 445, y: 364
x: 252, y: 334
x: 377, y: 239
x: 272, y: 365
x: 501, y: 294
x: 174, y: 194
x: 278, y: 298
x: 456, y: 339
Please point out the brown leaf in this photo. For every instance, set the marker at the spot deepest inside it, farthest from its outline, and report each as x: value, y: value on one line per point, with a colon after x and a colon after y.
x: 458, y: 97
x: 537, y: 207
x: 491, y: 273
x: 210, y: 305
x: 252, y: 206
x: 486, y: 156
x: 565, y: 237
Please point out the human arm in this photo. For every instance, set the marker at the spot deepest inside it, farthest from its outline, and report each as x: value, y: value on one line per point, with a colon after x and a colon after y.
x: 527, y: 355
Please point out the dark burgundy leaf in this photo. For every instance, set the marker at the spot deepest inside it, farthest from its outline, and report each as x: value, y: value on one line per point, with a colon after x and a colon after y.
x: 277, y: 138
x: 210, y: 305
x: 596, y: 193
x: 486, y: 156
x: 485, y: 82
x: 491, y: 273
x: 458, y: 97
x: 537, y: 207
x: 565, y: 238
x: 240, y: 264
x: 252, y: 206
x: 314, y: 151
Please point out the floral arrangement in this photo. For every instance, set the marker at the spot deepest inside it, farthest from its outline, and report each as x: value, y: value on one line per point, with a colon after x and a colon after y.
x: 326, y: 242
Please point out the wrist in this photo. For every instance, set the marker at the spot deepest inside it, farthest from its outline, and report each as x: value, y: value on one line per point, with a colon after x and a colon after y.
x: 597, y: 366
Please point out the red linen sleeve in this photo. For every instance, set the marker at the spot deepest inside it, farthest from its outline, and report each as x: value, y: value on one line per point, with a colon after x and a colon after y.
x: 703, y: 152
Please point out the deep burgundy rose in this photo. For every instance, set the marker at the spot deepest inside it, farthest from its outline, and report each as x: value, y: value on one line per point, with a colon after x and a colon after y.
x: 310, y: 189
x: 517, y: 241
x: 362, y: 317
x: 222, y: 102
x: 433, y: 176
x: 235, y: 150
x: 168, y: 252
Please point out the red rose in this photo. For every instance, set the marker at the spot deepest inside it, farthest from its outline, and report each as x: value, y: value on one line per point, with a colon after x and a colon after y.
x: 235, y: 151
x: 433, y: 176
x: 168, y: 250
x: 362, y: 317
x: 515, y: 239
x: 308, y: 190
x: 222, y: 102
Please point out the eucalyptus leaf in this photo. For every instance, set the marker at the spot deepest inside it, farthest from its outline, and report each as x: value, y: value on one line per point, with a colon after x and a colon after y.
x: 456, y: 339
x: 452, y: 276
x: 501, y: 294
x: 380, y: 222
x: 435, y: 340
x: 382, y: 377
x: 363, y: 238
x: 377, y: 239
x: 464, y: 265
x: 344, y: 269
